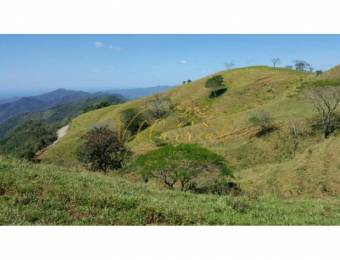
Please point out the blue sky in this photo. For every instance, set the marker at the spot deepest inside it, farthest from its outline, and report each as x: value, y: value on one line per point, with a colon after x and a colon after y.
x: 32, y: 64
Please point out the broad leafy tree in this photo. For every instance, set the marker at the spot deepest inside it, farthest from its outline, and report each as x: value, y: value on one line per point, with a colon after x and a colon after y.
x: 102, y: 150
x: 180, y: 164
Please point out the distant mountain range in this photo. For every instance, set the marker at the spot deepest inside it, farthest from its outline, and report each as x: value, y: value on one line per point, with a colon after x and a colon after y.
x: 10, y: 108
x: 46, y: 101
x: 39, y: 103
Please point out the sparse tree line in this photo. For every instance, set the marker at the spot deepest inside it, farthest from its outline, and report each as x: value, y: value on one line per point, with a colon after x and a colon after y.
x: 299, y: 65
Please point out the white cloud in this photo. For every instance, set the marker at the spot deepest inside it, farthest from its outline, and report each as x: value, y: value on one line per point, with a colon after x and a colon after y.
x: 98, y: 44
x: 115, y: 48
x: 183, y: 62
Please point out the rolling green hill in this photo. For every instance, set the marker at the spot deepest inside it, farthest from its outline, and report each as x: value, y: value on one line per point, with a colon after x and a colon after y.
x: 221, y: 124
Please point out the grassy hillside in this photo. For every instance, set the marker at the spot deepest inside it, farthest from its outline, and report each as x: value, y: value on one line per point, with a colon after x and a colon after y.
x: 32, y: 194
x: 221, y: 124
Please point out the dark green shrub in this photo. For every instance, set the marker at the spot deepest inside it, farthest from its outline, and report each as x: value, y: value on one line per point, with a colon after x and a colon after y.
x: 180, y: 164
x: 217, y: 85
x: 102, y: 150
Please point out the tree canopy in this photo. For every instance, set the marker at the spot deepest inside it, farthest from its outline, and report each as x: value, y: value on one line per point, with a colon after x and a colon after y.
x: 181, y: 163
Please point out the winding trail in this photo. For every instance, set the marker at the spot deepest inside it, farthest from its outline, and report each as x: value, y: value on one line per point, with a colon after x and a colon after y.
x: 60, y: 134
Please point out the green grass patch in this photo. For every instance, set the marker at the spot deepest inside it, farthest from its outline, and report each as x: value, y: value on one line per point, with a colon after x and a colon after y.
x: 49, y: 195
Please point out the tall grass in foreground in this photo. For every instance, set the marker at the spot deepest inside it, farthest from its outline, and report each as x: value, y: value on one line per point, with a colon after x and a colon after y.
x: 47, y: 195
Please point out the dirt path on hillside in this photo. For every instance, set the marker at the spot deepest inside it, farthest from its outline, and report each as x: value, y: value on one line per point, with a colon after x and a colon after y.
x: 60, y: 134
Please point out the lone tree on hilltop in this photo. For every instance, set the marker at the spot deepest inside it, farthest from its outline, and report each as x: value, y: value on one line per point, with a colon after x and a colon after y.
x: 215, y: 83
x: 301, y: 65
x: 229, y: 65
x: 276, y: 61
x: 326, y: 101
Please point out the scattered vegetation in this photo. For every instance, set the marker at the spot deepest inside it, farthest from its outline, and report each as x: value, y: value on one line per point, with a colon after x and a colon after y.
x: 294, y: 161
